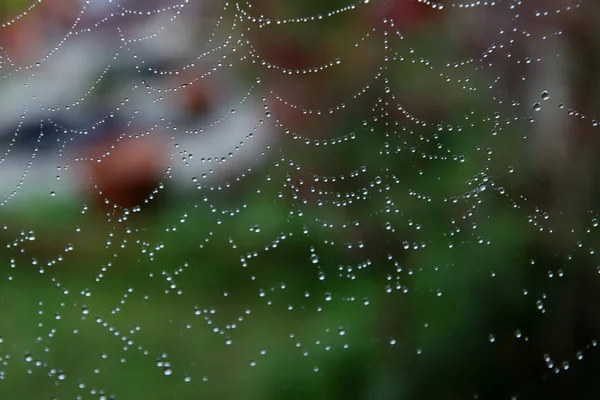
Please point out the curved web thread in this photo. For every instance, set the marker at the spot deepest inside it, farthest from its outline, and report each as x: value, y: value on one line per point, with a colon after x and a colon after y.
x: 378, y: 199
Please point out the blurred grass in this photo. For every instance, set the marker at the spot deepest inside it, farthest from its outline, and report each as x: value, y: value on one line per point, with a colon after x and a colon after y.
x: 280, y: 287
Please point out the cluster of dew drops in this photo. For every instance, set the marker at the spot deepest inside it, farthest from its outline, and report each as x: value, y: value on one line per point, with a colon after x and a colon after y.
x: 162, y: 362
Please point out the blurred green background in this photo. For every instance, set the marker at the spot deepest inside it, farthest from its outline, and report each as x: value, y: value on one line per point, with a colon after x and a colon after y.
x: 397, y: 261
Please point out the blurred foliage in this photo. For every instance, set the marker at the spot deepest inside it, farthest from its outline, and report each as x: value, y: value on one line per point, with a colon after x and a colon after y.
x: 11, y: 7
x: 439, y: 322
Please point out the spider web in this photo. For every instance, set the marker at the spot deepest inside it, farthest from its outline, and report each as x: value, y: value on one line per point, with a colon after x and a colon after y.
x: 329, y: 200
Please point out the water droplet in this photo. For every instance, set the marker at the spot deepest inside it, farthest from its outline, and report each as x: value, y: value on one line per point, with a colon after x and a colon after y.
x: 545, y: 95
x: 518, y: 334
